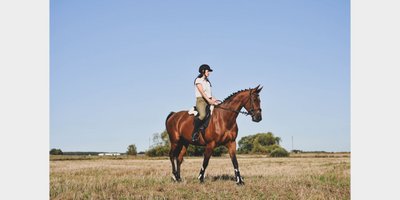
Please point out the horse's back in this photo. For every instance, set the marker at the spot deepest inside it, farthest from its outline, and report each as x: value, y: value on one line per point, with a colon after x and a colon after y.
x: 176, y: 120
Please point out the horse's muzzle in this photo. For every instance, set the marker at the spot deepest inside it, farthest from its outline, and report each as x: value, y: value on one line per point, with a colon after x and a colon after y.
x: 257, y: 117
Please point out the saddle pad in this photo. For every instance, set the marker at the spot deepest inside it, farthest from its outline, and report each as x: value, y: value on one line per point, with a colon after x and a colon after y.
x: 194, y: 112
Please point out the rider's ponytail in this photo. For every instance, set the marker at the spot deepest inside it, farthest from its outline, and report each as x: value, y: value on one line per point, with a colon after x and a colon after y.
x: 199, y: 76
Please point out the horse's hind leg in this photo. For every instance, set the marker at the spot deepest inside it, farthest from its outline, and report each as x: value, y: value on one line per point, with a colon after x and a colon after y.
x: 180, y: 158
x: 173, y: 156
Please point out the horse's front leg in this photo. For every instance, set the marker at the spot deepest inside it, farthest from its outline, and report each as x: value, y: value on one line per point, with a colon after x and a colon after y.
x: 232, y: 153
x: 207, y: 154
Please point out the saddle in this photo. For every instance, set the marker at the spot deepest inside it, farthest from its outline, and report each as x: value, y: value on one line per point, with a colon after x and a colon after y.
x: 209, y: 109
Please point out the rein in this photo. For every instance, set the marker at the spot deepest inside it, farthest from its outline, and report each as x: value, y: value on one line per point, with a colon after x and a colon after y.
x: 241, y: 112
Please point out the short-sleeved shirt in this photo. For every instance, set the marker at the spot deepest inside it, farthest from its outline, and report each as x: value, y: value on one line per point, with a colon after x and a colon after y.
x: 206, y: 87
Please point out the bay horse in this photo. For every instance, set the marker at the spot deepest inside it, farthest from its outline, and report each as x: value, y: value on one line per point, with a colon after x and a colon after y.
x: 222, y: 130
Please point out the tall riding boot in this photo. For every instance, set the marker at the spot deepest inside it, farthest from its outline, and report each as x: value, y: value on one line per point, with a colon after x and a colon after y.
x: 197, y: 123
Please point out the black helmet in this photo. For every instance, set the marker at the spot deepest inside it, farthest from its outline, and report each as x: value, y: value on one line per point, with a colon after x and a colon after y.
x: 204, y: 67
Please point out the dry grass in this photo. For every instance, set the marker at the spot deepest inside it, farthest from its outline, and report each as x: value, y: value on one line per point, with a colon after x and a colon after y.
x: 265, y: 178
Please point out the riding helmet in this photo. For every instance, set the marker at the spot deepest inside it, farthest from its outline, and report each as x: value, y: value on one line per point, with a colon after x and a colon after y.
x: 204, y: 67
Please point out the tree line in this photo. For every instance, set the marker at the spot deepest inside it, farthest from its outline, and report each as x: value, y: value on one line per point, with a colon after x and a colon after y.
x: 260, y: 143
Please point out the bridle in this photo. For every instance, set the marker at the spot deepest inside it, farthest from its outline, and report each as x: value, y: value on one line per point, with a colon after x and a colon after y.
x: 250, y: 112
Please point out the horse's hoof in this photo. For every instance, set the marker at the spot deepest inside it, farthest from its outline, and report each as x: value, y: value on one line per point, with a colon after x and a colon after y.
x: 176, y: 179
x: 201, y: 179
x: 239, y: 180
x: 240, y: 183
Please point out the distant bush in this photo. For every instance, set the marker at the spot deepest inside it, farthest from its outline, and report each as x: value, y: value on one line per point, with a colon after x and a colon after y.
x: 220, y: 150
x: 163, y: 150
x: 260, y: 149
x: 199, y: 150
x: 246, y: 144
x: 160, y: 150
x: 279, y: 152
x: 260, y: 143
x: 195, y: 150
x: 297, y: 151
x: 131, y: 150
x: 257, y: 143
x: 161, y: 147
x: 56, y: 152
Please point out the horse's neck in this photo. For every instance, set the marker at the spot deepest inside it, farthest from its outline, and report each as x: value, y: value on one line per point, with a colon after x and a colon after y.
x: 235, y: 104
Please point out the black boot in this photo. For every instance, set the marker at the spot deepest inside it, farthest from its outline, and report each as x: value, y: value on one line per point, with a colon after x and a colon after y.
x: 195, y: 135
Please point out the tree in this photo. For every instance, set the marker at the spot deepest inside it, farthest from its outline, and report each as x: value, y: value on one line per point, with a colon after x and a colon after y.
x: 246, y: 144
x: 165, y: 138
x: 56, y: 152
x: 159, y: 150
x: 261, y: 143
x: 157, y: 140
x: 279, y: 152
x: 160, y: 145
x: 278, y: 140
x: 193, y: 150
x: 131, y: 150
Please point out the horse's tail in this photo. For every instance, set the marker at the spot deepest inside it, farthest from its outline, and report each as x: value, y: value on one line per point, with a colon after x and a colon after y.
x: 170, y: 114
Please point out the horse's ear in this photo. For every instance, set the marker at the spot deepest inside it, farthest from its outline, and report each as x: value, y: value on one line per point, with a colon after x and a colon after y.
x: 256, y: 88
x: 259, y: 89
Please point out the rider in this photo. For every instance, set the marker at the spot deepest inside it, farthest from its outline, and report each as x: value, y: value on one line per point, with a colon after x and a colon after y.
x: 203, y: 98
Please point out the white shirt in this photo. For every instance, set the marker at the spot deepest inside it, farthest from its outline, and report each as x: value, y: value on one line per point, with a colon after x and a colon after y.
x: 206, y: 87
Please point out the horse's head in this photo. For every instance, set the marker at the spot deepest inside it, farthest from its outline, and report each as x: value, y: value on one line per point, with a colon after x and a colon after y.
x: 253, y: 104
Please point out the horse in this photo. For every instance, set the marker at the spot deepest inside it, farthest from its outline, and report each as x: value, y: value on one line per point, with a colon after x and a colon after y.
x: 222, y: 130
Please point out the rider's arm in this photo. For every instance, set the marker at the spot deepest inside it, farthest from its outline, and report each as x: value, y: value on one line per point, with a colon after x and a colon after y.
x: 203, y: 94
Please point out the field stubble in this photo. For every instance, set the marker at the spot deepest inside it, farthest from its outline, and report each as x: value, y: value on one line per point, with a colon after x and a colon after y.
x: 265, y: 178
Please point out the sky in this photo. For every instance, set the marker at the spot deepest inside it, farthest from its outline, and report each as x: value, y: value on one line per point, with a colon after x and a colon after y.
x: 117, y: 68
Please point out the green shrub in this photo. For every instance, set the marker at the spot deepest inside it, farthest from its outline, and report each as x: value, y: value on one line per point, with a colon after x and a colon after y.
x: 258, y: 143
x: 160, y: 150
x: 56, y: 152
x: 220, y: 150
x: 195, y: 150
x: 260, y: 149
x: 271, y: 148
x: 279, y: 152
x: 131, y: 150
x: 246, y: 144
x: 199, y: 150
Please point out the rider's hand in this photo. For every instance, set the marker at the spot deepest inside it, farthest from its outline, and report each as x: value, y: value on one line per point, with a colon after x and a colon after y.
x: 213, y: 101
x: 216, y: 101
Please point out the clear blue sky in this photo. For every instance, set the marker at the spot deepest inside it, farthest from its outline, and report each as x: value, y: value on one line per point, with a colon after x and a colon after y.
x: 117, y: 68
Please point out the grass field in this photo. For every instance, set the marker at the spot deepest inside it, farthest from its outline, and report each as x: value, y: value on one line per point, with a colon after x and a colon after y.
x: 301, y: 176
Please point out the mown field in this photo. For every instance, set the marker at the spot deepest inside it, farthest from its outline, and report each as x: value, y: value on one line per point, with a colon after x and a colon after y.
x: 301, y: 176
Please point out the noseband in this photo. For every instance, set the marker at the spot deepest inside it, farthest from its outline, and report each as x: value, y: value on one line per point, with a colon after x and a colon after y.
x: 251, y: 111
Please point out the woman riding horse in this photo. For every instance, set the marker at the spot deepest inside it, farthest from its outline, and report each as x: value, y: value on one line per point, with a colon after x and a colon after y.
x: 203, y: 98
x: 222, y: 130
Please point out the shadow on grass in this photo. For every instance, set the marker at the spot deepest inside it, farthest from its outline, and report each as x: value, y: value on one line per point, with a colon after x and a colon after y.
x: 224, y: 177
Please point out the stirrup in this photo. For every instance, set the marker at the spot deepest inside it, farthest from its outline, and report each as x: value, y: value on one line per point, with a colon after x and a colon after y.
x: 195, y: 136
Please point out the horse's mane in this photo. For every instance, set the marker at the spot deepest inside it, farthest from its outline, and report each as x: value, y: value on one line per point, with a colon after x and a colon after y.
x: 234, y: 94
